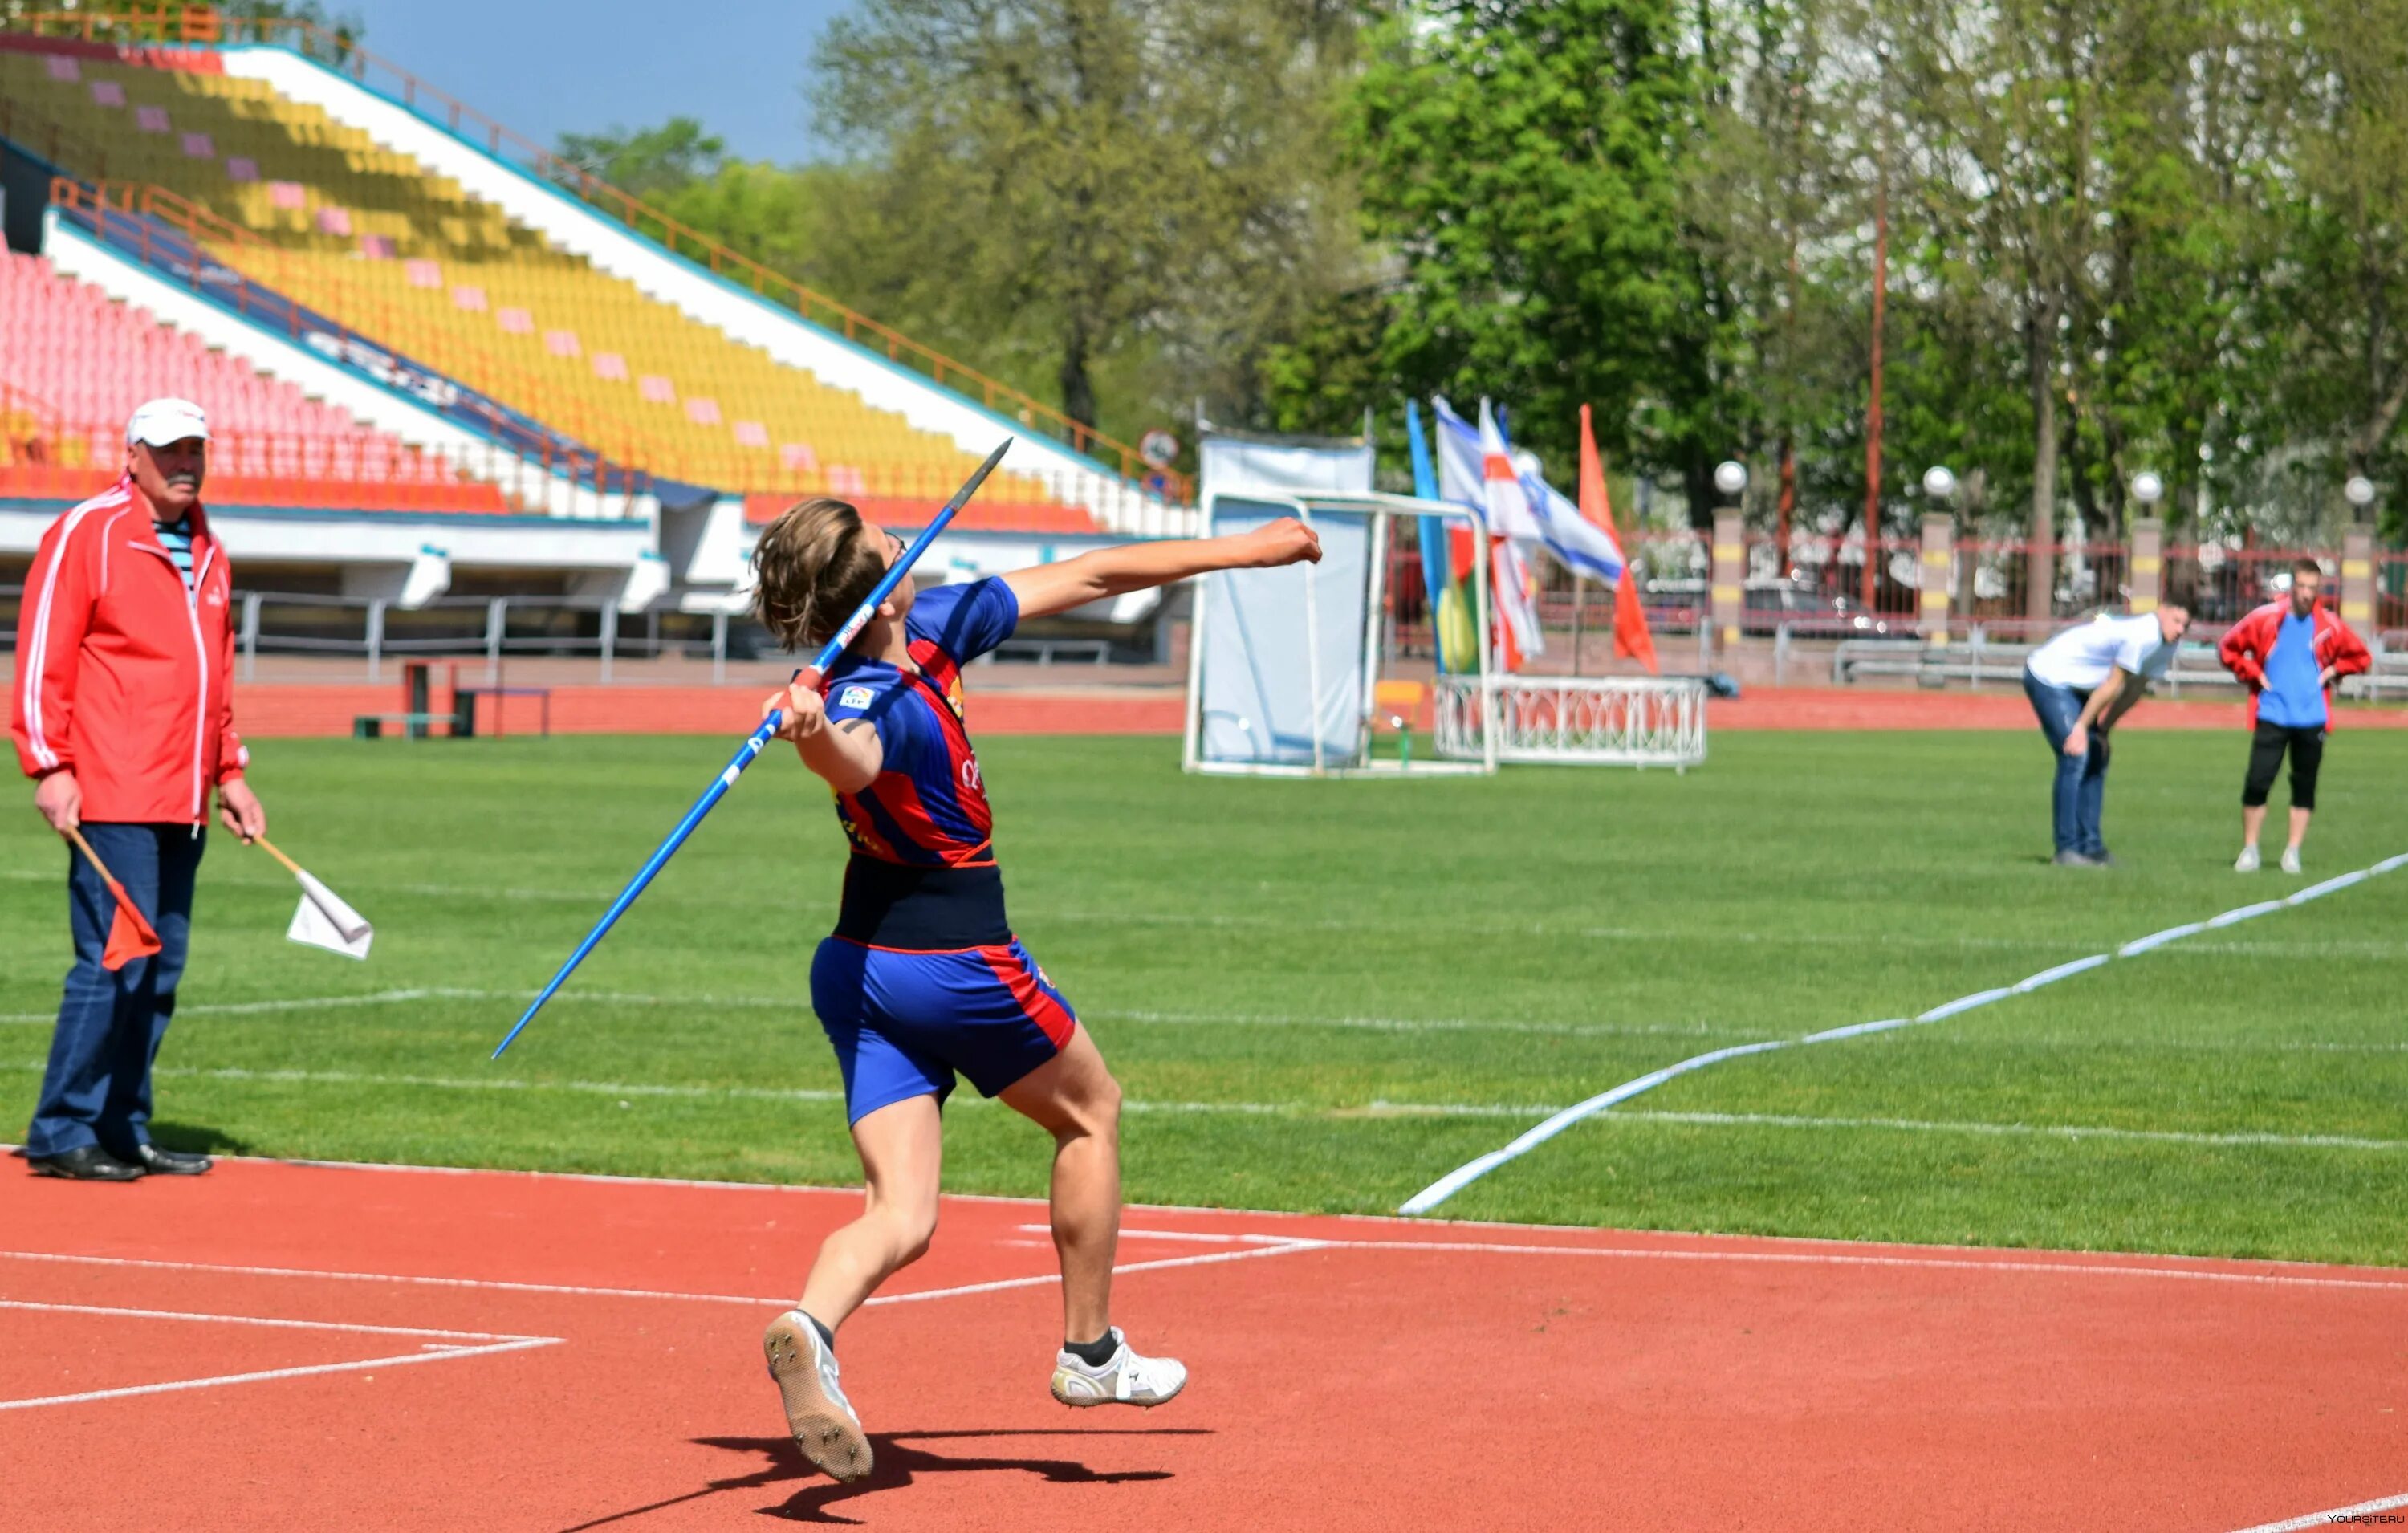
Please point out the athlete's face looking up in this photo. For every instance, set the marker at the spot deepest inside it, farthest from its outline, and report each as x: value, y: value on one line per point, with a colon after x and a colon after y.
x: 901, y: 600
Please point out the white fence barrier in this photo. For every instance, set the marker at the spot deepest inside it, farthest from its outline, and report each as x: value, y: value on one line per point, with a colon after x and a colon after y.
x: 1614, y: 721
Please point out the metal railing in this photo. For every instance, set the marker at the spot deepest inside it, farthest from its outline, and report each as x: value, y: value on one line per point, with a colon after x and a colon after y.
x: 489, y: 630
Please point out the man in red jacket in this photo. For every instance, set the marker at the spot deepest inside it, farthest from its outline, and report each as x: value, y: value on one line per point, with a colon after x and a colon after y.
x: 124, y: 653
x: 2288, y: 654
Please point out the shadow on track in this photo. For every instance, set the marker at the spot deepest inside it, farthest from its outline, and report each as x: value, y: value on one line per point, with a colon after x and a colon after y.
x: 898, y: 1463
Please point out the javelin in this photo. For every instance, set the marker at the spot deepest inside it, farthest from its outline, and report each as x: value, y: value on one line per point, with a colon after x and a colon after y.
x: 759, y: 738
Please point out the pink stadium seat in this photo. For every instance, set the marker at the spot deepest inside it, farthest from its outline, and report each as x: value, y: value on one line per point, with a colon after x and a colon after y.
x: 87, y: 362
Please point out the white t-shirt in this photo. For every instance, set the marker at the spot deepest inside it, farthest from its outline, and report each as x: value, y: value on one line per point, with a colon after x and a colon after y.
x: 2082, y: 657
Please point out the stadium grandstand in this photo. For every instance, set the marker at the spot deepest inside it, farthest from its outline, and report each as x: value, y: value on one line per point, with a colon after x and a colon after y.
x: 395, y: 309
x: 79, y: 363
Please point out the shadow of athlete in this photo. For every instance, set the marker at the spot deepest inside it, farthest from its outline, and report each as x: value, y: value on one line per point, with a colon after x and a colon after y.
x: 898, y: 1463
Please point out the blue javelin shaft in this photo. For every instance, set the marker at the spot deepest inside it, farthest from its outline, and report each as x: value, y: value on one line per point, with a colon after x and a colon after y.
x: 754, y: 743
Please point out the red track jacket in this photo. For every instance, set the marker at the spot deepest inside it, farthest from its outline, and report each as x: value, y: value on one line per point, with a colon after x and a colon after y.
x: 2248, y: 643
x: 122, y: 678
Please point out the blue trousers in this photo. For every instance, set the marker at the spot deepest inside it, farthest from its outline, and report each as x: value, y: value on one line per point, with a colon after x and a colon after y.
x: 2079, y: 795
x: 97, y: 1088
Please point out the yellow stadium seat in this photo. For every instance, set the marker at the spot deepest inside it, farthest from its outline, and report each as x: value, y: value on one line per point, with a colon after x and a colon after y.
x: 365, y: 210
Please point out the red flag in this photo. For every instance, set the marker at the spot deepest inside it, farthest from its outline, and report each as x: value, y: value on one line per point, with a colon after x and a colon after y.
x: 130, y: 936
x: 1631, y: 639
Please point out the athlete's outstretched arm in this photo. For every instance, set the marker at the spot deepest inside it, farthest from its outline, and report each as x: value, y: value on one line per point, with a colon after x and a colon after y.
x: 1047, y: 589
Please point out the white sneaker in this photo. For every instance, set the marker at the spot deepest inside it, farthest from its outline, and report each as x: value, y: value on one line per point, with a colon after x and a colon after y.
x: 2290, y: 859
x: 817, y: 1413
x: 1126, y: 1378
x: 2247, y: 861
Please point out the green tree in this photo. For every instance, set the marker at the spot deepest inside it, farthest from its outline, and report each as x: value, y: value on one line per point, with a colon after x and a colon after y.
x: 1518, y: 161
x: 2339, y: 302
x: 1135, y: 189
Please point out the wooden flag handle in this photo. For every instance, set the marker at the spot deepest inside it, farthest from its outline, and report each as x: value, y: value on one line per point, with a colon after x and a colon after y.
x: 290, y: 866
x: 83, y: 845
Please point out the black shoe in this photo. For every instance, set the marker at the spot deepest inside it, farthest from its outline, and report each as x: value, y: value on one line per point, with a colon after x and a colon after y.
x: 158, y: 1162
x: 86, y: 1163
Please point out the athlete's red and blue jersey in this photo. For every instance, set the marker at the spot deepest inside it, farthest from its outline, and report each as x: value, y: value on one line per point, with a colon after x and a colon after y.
x: 923, y: 977
x: 923, y: 875
x: 926, y: 808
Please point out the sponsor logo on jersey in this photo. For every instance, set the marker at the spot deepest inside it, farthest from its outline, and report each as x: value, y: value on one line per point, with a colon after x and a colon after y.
x: 970, y: 774
x: 854, y: 697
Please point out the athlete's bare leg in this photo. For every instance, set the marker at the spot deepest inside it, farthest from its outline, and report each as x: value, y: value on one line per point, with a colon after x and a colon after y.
x: 902, y: 1155
x: 1074, y: 1098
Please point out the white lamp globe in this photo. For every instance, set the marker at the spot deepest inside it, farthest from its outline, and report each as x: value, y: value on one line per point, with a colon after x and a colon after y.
x: 2359, y: 490
x: 1939, y: 482
x: 1730, y: 476
x: 2147, y: 488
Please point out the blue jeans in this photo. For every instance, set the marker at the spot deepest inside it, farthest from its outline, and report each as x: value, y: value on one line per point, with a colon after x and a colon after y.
x: 2079, y: 795
x: 97, y: 1089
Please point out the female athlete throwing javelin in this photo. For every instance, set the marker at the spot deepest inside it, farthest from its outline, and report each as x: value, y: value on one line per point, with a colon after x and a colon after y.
x: 923, y: 977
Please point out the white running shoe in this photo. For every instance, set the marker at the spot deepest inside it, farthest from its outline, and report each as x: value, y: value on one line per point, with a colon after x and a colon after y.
x: 2247, y: 861
x: 2290, y: 859
x: 1126, y: 1378
x: 818, y: 1413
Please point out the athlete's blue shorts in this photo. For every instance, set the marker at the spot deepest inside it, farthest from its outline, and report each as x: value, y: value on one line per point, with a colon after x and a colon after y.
x: 903, y: 1023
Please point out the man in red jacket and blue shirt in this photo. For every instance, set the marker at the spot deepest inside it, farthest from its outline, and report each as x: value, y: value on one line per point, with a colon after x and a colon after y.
x: 122, y: 714
x: 2289, y: 654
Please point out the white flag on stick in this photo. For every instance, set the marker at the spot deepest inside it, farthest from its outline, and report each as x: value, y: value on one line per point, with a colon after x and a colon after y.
x: 323, y: 920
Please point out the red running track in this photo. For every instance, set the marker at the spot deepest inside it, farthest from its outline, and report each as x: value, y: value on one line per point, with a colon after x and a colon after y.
x: 499, y: 1351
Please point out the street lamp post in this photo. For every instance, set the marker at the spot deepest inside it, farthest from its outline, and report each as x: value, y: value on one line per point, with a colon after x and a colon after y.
x: 1726, y: 583
x: 2359, y: 493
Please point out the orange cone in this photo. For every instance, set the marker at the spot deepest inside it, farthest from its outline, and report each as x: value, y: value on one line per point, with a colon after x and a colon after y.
x: 130, y: 936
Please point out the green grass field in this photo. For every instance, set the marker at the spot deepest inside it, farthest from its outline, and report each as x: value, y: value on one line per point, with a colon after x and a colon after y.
x: 1322, y: 996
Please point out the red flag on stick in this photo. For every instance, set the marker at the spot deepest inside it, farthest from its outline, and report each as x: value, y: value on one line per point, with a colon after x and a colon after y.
x: 130, y: 936
x: 1631, y: 639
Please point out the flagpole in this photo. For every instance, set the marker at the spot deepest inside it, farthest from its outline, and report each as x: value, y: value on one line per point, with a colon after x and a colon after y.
x: 1580, y: 610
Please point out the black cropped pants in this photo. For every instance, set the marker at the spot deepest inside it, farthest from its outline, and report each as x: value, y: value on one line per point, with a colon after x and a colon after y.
x: 2307, y: 749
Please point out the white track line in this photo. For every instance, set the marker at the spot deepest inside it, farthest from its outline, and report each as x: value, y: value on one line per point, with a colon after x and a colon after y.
x: 493, y: 1284
x: 487, y: 1343
x: 2328, y: 1519
x: 1276, y: 1246
x: 1283, y: 1245
x: 1472, y: 1171
x: 1044, y: 1279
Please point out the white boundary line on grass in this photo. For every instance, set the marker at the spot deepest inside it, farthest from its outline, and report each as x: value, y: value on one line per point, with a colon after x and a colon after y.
x: 492, y: 1344
x: 1472, y: 1171
x: 1375, y: 1109
x: 2329, y: 1519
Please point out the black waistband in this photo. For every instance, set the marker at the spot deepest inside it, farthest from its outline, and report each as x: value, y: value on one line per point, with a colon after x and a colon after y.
x: 892, y: 905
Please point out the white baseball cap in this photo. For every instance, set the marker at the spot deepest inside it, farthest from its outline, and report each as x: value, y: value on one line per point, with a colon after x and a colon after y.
x: 163, y: 423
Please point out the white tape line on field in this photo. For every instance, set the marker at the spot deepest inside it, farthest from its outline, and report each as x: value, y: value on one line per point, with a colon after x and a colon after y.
x: 2337, y: 1516
x: 1472, y: 1171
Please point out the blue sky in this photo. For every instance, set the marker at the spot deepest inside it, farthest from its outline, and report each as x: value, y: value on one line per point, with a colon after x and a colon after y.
x: 739, y: 68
